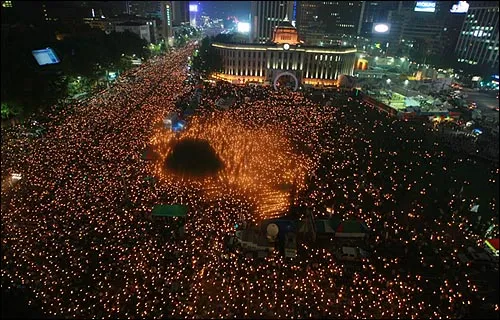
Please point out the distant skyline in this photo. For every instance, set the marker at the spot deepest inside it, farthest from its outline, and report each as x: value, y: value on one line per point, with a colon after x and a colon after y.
x: 223, y: 9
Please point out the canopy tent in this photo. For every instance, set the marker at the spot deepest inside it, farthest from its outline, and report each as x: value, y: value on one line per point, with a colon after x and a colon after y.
x: 324, y: 226
x: 411, y: 102
x: 352, y: 226
x: 493, y: 244
x: 321, y: 225
x: 334, y: 222
x: 165, y: 210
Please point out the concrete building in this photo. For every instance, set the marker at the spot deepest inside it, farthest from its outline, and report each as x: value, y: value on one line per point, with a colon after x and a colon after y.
x: 106, y: 25
x: 167, y: 22
x: 341, y: 17
x: 266, y: 15
x: 308, y: 24
x: 144, y: 8
x: 478, y: 39
x: 433, y: 33
x: 376, y: 12
x: 285, y: 58
x: 180, y: 13
x: 139, y: 28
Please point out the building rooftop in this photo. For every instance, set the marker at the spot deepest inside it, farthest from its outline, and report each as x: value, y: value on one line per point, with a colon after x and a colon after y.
x: 286, y: 25
x: 131, y: 24
x: 275, y: 45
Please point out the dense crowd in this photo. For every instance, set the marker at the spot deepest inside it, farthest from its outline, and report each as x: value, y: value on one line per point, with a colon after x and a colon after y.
x: 76, y: 228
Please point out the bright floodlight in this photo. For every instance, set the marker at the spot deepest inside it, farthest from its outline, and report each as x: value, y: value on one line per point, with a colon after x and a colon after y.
x: 243, y: 27
x: 193, y: 8
x: 16, y: 176
x: 381, y: 28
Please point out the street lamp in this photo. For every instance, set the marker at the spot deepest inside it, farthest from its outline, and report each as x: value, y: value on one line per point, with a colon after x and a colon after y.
x: 406, y: 86
x: 388, y: 81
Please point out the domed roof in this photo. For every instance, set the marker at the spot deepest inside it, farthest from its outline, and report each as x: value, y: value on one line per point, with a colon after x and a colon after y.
x: 285, y: 32
x: 285, y: 24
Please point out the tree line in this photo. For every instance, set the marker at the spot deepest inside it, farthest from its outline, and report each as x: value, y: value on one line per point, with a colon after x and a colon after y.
x: 85, y: 54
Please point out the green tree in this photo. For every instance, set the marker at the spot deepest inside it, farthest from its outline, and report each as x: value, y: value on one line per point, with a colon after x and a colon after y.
x: 10, y: 109
x: 208, y: 60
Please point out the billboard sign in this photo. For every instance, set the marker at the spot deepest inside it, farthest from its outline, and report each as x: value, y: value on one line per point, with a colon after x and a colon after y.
x: 381, y: 28
x: 460, y: 7
x: 425, y: 6
x: 45, y: 56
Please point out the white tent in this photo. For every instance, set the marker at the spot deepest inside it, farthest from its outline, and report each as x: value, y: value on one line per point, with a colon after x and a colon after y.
x: 410, y: 102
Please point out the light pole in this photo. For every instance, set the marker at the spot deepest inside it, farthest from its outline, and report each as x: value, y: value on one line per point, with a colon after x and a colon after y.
x: 388, y: 81
x: 406, y: 86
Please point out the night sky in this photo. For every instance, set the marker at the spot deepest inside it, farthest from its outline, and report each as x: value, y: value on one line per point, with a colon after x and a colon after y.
x: 222, y: 9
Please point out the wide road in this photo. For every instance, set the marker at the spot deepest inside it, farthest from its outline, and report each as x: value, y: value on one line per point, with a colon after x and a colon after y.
x: 486, y: 102
x: 63, y: 223
x: 75, y: 231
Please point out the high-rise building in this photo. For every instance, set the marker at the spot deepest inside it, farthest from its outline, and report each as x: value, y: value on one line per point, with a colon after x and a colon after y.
x: 308, y: 24
x: 341, y: 17
x: 430, y: 33
x: 180, y: 12
x: 478, y: 40
x: 266, y: 15
x: 144, y: 8
x: 376, y: 12
x: 167, y: 22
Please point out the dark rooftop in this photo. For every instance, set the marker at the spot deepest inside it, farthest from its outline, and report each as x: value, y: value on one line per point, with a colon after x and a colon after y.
x: 131, y: 24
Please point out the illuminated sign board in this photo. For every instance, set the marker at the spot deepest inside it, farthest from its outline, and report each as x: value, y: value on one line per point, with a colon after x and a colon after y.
x: 45, y: 56
x: 380, y: 28
x: 193, y: 8
x: 460, y: 7
x: 167, y: 11
x: 425, y: 6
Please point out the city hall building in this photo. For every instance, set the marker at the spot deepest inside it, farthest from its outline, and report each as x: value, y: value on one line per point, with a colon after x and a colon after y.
x: 285, y: 59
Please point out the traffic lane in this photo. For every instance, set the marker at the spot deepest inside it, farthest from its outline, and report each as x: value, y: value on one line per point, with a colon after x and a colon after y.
x: 484, y: 101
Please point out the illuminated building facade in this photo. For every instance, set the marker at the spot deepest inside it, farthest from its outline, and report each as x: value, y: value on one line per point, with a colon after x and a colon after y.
x: 286, y: 56
x: 167, y: 22
x: 478, y: 40
x: 139, y: 28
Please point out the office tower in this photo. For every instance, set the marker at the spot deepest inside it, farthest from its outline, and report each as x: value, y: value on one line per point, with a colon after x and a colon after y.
x: 428, y: 33
x: 308, y: 24
x: 376, y: 12
x: 478, y: 40
x: 143, y: 8
x: 180, y: 12
x: 341, y: 17
x: 166, y: 19
x: 266, y: 15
